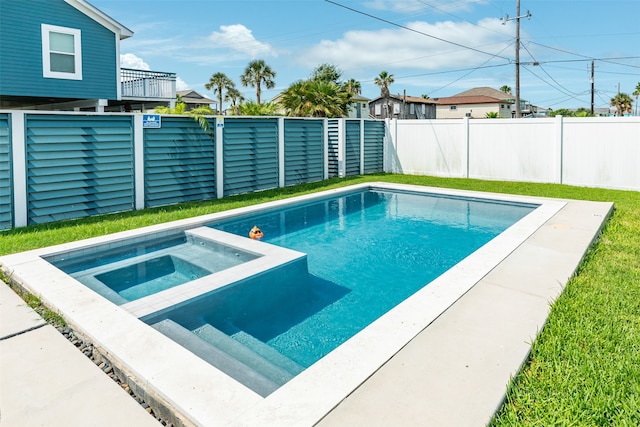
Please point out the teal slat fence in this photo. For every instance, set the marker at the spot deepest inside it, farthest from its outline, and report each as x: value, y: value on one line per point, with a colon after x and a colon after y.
x: 250, y: 155
x: 304, y: 151
x: 352, y: 147
x: 78, y: 166
x: 82, y: 165
x: 179, y: 163
x: 6, y: 183
x: 373, y: 148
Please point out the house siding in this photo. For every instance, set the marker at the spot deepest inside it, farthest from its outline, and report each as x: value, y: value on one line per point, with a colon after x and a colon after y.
x: 21, y: 53
x: 475, y: 111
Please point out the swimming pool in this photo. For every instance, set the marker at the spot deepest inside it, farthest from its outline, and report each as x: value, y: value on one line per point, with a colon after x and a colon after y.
x: 367, y: 251
x: 188, y: 384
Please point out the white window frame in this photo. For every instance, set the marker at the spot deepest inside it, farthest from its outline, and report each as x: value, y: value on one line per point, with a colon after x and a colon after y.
x: 46, y: 51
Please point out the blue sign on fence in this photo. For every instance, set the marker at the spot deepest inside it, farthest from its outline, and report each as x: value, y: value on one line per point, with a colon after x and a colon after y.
x: 151, y: 121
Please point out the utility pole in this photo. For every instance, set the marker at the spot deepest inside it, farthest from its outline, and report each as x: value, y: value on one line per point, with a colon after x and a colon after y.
x: 517, y: 19
x: 592, y: 88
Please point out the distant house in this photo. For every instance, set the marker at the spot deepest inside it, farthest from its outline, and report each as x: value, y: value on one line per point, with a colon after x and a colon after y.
x: 475, y: 106
x: 193, y: 99
x: 65, y: 55
x: 402, y: 107
x: 359, y: 107
x: 478, y: 101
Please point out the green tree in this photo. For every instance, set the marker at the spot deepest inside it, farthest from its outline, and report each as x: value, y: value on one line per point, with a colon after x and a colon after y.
x: 218, y: 83
x: 622, y: 103
x: 353, y: 87
x: 636, y: 93
x: 505, y: 89
x: 561, y: 112
x: 251, y: 108
x: 326, y: 73
x: 384, y: 80
x: 198, y: 114
x: 234, y: 96
x: 256, y: 74
x: 322, y: 95
x: 582, y: 112
x: 492, y: 115
x: 316, y: 98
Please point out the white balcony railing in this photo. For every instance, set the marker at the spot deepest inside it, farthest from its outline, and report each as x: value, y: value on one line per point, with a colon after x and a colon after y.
x: 147, y: 85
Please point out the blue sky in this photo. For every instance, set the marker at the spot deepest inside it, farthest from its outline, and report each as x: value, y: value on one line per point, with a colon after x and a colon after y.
x: 432, y: 47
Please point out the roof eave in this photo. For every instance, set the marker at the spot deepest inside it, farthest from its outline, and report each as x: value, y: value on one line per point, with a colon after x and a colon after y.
x: 102, y: 18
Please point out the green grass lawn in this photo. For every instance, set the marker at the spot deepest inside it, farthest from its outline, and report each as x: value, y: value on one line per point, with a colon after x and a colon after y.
x: 584, y: 368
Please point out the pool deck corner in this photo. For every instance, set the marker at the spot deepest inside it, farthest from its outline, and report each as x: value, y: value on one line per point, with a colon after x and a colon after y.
x: 456, y: 371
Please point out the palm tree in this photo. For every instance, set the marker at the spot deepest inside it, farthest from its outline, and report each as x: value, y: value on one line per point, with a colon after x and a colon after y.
x: 235, y: 97
x: 353, y: 87
x: 218, y: 83
x: 257, y: 73
x: 623, y: 104
x: 198, y: 114
x: 316, y: 98
x: 384, y: 80
x: 505, y: 89
x: 251, y: 108
x: 636, y: 93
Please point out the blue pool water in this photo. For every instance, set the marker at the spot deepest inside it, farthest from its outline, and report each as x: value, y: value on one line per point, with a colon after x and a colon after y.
x: 367, y: 252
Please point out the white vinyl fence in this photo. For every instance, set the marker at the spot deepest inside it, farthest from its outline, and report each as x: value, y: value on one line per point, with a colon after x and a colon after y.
x: 591, y: 152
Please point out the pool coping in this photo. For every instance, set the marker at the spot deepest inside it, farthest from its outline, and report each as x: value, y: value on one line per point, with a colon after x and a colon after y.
x: 186, y: 383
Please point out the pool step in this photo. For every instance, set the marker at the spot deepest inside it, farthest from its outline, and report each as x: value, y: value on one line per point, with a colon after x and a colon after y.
x: 241, y: 372
x: 253, y: 353
x: 268, y: 352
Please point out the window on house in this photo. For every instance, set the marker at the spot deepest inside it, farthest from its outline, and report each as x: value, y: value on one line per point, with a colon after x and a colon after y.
x: 61, y: 53
x: 412, y: 109
x: 453, y: 107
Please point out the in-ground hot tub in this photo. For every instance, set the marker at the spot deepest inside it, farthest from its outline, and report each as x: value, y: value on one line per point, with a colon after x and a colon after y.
x: 137, y: 268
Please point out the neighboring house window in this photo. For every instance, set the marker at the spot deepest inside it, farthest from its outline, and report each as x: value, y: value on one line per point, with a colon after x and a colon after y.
x: 412, y: 108
x: 378, y: 109
x: 61, y: 53
x: 396, y: 108
x: 453, y: 107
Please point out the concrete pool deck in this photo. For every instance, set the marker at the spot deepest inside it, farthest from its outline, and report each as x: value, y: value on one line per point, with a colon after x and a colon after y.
x: 454, y: 372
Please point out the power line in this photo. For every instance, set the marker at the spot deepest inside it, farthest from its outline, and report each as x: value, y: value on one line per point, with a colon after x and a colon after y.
x: 414, y: 30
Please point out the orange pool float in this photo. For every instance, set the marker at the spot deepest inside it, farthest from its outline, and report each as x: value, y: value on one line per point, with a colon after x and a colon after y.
x: 256, y: 233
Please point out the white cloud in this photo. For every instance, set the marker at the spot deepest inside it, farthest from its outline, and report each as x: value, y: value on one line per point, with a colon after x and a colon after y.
x: 422, y: 49
x: 129, y: 60
x: 181, y: 84
x: 239, y: 38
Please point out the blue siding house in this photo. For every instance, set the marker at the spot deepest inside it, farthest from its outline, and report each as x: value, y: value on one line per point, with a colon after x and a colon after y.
x: 65, y: 55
